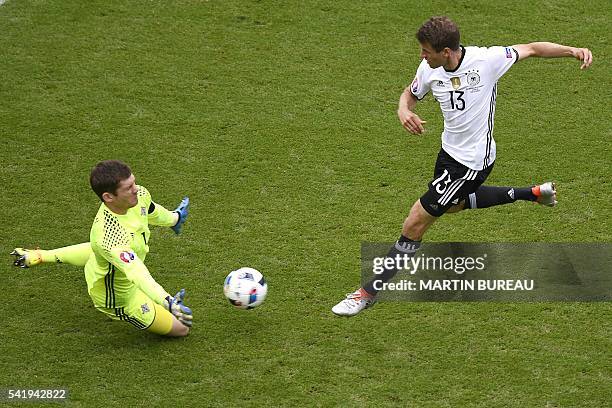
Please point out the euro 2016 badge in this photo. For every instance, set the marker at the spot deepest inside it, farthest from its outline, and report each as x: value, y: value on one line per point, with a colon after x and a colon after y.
x: 415, y: 85
x: 126, y: 256
x: 143, y: 211
x: 456, y: 82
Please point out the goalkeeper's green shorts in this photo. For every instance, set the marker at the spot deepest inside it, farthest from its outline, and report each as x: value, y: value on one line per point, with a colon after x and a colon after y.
x: 141, y: 312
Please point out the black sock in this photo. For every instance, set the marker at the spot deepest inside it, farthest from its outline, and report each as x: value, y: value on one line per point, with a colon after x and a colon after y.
x: 403, y: 246
x: 488, y: 196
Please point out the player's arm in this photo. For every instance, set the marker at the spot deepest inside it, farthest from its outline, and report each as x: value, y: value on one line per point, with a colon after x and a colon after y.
x: 552, y: 50
x: 138, y: 273
x: 409, y: 120
x: 158, y: 215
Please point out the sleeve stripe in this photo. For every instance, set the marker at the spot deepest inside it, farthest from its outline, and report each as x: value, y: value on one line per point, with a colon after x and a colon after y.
x: 418, y: 99
x: 517, y: 55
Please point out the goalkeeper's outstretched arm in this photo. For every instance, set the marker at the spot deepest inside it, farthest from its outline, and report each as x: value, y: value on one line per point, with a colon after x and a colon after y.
x: 76, y: 255
x: 158, y: 215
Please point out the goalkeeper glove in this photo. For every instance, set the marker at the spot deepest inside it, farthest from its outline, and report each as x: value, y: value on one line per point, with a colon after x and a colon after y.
x: 24, y: 258
x: 183, y: 211
x: 178, y: 309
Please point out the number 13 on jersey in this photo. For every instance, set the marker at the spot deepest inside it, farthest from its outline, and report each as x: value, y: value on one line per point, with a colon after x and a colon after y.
x: 456, y: 99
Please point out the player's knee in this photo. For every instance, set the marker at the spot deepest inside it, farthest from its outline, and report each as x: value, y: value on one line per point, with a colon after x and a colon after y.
x: 178, y: 329
x: 183, y: 331
x: 457, y: 207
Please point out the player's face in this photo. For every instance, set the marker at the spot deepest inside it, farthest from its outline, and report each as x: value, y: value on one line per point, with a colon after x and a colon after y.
x: 434, y: 59
x: 126, y: 195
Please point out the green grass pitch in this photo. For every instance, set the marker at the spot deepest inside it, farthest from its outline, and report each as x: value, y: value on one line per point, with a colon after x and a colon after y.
x: 278, y: 119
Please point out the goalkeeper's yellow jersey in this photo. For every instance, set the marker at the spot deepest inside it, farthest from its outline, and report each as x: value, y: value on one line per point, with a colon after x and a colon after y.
x: 119, y: 243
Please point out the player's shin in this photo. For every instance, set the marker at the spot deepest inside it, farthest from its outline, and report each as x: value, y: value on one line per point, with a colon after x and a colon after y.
x: 404, y: 247
x: 489, y: 196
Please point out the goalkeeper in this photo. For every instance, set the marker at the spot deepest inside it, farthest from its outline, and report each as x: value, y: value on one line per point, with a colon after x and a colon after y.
x: 118, y: 281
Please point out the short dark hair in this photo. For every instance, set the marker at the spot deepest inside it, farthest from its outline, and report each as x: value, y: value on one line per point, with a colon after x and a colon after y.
x: 107, y: 175
x: 439, y: 32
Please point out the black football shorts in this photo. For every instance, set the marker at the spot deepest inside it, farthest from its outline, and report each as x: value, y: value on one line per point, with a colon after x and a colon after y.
x: 452, y: 183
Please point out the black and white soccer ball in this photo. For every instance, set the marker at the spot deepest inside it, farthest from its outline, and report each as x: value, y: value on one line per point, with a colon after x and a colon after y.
x: 245, y: 288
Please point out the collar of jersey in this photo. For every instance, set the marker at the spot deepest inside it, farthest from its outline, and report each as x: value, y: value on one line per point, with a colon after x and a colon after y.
x: 460, y: 60
x: 114, y: 213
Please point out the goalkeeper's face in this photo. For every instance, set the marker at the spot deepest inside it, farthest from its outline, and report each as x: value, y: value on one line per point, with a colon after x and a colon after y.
x: 126, y: 195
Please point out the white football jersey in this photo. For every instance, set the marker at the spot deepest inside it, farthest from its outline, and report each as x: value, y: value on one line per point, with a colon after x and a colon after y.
x: 467, y: 100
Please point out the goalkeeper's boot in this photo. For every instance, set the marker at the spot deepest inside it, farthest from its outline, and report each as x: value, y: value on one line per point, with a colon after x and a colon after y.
x: 24, y: 258
x: 354, y: 303
x: 546, y: 194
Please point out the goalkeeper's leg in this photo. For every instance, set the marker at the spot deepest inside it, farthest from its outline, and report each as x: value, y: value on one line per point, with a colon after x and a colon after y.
x: 166, y: 324
x: 141, y: 312
x: 73, y: 255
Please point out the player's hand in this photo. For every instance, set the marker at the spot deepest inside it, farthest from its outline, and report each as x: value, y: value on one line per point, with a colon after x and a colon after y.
x: 178, y: 309
x: 584, y: 55
x: 183, y: 211
x: 411, y: 121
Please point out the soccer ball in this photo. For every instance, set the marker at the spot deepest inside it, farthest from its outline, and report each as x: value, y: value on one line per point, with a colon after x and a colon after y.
x: 245, y: 288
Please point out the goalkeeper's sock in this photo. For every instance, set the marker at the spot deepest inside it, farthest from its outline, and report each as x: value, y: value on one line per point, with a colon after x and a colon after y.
x: 489, y: 196
x: 73, y: 255
x: 403, y: 246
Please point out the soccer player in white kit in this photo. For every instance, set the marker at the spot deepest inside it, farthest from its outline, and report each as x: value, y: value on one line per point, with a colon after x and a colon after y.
x: 464, y: 82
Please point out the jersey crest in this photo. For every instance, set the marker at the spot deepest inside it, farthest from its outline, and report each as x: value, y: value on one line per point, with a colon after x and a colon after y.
x: 473, y: 78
